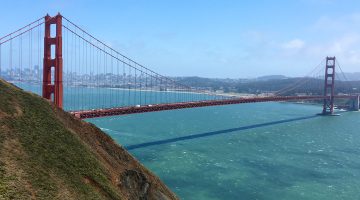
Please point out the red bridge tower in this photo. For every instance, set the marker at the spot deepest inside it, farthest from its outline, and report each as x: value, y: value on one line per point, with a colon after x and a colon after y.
x: 53, y: 87
x: 329, y: 90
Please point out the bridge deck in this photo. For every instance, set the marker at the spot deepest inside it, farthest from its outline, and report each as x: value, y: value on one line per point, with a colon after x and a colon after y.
x: 172, y: 106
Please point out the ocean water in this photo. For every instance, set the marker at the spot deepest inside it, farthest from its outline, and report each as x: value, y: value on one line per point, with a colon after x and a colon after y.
x: 248, y: 151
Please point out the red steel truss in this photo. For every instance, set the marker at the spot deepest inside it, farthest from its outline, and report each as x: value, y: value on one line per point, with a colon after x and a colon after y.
x: 173, y: 106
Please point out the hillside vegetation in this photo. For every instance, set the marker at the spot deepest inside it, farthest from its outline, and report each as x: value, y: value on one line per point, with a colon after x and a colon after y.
x: 47, y: 154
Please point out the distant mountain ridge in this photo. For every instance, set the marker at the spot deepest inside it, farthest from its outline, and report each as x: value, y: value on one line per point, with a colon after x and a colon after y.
x: 270, y: 77
x: 270, y: 83
x: 355, y: 76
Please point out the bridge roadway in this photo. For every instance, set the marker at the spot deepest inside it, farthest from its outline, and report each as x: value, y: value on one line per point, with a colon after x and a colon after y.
x: 83, y: 114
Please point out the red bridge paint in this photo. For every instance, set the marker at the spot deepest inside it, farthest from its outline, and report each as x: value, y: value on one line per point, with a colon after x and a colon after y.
x: 55, y: 88
x: 329, y: 86
x: 173, y: 106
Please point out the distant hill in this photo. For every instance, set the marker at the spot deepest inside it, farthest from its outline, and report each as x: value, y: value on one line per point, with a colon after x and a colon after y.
x: 45, y: 153
x: 270, y: 77
x: 292, y: 86
x: 200, y: 82
x: 352, y: 76
x: 273, y: 83
x: 218, y: 83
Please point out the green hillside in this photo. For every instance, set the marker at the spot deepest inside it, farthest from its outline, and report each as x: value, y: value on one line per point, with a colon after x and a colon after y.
x: 47, y: 154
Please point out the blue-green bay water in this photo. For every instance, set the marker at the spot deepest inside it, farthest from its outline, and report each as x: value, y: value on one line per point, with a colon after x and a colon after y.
x: 246, y: 151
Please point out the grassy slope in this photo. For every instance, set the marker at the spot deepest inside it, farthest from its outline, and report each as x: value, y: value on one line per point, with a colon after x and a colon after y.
x: 47, y: 154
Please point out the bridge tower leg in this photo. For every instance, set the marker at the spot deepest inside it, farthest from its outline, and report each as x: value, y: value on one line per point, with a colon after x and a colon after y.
x: 355, y: 104
x: 328, y: 107
x: 53, y: 85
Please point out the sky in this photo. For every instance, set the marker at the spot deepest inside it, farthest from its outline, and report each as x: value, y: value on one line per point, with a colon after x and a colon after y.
x: 212, y: 38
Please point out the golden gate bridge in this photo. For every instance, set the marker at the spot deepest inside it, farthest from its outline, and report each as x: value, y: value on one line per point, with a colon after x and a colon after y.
x: 89, y: 78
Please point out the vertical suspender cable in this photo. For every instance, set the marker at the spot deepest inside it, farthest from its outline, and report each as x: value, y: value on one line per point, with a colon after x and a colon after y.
x: 39, y: 56
x: 75, y: 73
x: 123, y: 86
x: 105, y: 87
x: 78, y: 59
x: 112, y: 81
x: 160, y: 88
x: 155, y: 89
x: 84, y: 69
x: 140, y: 89
x: 129, y: 79
x: 20, y: 59
x: 83, y: 74
x: 134, y: 89
x: 67, y: 67
x: 93, y: 75
x: 146, y: 85
x: 79, y: 71
x: 29, y: 59
x: 151, y: 93
x: 117, y: 80
x: 0, y: 62
x: 98, y: 77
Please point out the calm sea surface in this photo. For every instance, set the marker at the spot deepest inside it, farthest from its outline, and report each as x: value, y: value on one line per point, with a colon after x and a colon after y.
x: 248, y: 151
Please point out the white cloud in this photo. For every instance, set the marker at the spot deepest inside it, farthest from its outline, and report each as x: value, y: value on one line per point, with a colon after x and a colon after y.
x: 345, y: 44
x: 345, y: 47
x: 294, y: 44
x: 332, y: 24
x: 328, y: 36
